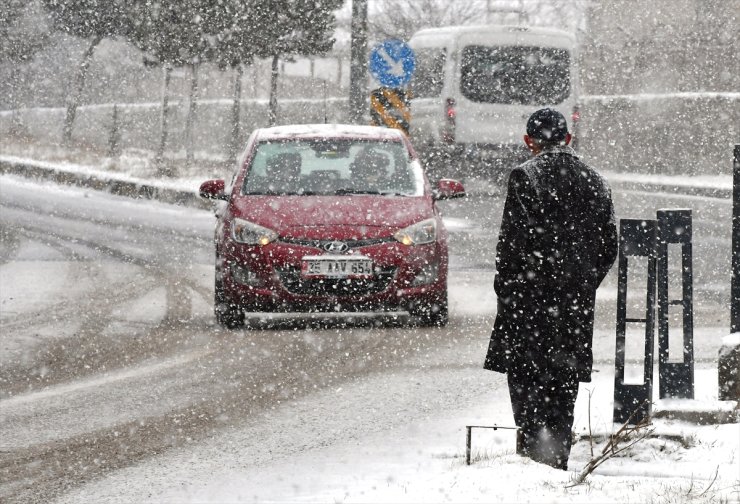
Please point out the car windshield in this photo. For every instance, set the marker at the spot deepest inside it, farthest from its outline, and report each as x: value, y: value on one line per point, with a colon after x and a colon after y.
x: 515, y: 75
x: 333, y: 167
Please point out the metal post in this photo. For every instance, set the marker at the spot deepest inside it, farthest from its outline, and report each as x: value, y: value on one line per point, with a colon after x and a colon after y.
x: 676, y: 379
x: 469, y: 437
x: 728, y: 371
x: 735, y: 295
x: 358, y: 62
x: 468, y: 443
x: 636, y: 239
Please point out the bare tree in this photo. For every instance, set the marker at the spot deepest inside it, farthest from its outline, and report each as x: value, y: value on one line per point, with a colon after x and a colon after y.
x: 566, y: 15
x: 400, y: 18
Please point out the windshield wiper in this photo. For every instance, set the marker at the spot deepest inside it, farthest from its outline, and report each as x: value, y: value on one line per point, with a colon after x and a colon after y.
x: 280, y: 193
x: 347, y: 190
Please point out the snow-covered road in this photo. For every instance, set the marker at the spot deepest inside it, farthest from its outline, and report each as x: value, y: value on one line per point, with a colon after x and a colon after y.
x: 117, y: 386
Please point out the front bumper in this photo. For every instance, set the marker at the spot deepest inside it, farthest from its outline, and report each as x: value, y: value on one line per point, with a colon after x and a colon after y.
x: 268, y: 278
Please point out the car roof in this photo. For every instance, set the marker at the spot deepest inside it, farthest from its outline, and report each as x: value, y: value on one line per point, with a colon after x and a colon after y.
x: 353, y: 131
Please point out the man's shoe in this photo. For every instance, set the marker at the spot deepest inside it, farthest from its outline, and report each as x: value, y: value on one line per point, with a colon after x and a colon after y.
x: 520, y: 445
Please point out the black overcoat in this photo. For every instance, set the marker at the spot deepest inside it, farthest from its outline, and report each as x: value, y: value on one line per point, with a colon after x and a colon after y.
x: 557, y: 241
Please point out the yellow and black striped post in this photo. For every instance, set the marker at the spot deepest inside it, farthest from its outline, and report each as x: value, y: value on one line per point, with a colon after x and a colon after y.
x: 389, y: 107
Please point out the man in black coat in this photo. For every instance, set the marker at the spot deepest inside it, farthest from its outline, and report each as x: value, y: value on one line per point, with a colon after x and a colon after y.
x: 557, y: 241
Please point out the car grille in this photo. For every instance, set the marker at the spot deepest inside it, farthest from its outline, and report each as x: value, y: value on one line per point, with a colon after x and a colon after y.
x: 352, y: 244
x: 334, y: 287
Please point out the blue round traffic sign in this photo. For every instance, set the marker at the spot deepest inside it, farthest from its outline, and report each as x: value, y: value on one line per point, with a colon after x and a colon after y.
x: 392, y: 63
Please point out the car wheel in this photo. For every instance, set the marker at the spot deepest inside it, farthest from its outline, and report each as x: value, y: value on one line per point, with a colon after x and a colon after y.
x: 431, y: 313
x: 228, y: 314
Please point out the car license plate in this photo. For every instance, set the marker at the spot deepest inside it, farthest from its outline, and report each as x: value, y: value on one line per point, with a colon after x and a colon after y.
x: 337, y: 266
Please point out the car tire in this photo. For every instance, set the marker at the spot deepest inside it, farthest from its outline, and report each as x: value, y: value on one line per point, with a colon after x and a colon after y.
x: 434, y: 313
x: 228, y: 315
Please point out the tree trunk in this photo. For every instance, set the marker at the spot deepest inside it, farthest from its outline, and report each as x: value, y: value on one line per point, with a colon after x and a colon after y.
x: 339, y: 72
x: 16, y: 124
x: 192, y: 106
x: 163, y: 119
x: 272, y: 112
x: 114, y: 138
x: 235, y: 113
x: 76, y: 96
x: 323, y: 87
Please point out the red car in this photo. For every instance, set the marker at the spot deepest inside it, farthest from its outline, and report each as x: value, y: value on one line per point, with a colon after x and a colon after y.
x: 330, y: 218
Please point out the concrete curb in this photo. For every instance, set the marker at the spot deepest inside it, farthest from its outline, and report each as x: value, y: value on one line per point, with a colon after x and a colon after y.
x: 118, y: 186
x: 706, y: 417
x: 711, y: 192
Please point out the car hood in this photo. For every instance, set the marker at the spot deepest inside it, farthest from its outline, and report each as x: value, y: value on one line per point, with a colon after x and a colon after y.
x: 315, y: 216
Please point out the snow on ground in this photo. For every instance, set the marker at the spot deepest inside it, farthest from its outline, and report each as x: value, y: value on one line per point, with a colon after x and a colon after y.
x: 306, y: 451
x: 374, y: 451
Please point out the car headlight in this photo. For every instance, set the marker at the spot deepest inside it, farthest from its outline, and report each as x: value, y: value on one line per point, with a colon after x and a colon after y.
x: 249, y: 233
x: 419, y: 233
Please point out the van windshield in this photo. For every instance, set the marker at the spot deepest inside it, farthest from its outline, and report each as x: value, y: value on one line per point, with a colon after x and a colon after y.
x: 428, y: 77
x: 515, y: 74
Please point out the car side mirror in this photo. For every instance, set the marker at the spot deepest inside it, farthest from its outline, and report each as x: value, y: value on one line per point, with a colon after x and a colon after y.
x: 448, y: 189
x: 213, y: 189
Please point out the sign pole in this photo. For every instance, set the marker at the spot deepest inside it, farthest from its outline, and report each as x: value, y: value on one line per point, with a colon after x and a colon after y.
x: 735, y: 294
x: 392, y: 63
x: 728, y: 368
x: 358, y: 62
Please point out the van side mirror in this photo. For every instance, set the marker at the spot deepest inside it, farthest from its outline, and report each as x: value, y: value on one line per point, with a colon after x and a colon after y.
x: 448, y: 189
x: 213, y: 189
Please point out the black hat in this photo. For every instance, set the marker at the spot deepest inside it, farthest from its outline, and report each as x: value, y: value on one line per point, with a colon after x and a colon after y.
x: 547, y: 126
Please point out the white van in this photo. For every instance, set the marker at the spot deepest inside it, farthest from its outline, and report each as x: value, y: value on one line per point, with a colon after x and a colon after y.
x: 474, y: 87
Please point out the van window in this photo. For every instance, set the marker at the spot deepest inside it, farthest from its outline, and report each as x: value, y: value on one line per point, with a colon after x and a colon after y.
x: 428, y: 77
x: 515, y: 74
